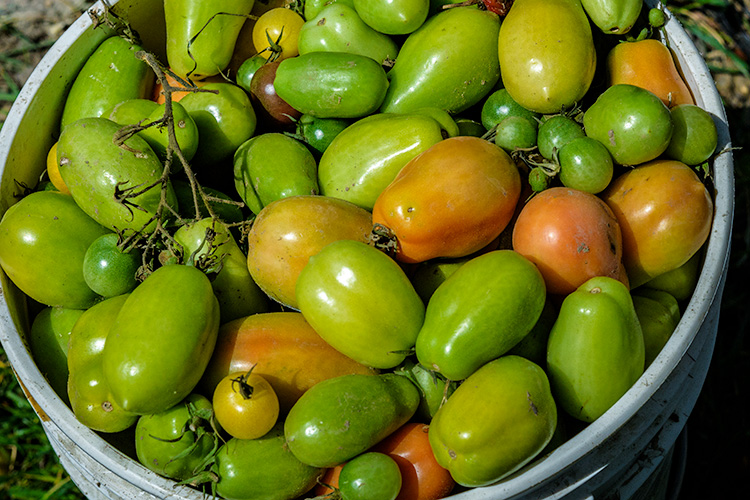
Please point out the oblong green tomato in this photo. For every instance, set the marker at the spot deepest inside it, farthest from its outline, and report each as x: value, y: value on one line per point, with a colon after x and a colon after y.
x: 201, y: 35
x: 162, y: 339
x: 272, y: 166
x: 615, y: 17
x: 112, y: 74
x: 361, y: 302
x: 658, y: 313
x: 481, y: 311
x: 43, y: 240
x: 225, y: 119
x: 366, y: 156
x: 185, y: 129
x: 596, y: 350
x: 450, y: 62
x: 131, y: 111
x: 237, y: 293
x: 89, y: 392
x: 393, y: 17
x: 331, y: 84
x: 586, y: 165
x: 495, y: 422
x: 339, y: 418
x: 48, y: 341
x: 262, y: 469
x: 634, y: 124
x: 176, y: 442
x: 313, y: 7
x: 338, y: 28
x: 95, y: 168
x: 547, y: 55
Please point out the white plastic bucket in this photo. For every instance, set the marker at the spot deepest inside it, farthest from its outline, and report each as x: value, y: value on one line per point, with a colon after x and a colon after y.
x: 625, y: 454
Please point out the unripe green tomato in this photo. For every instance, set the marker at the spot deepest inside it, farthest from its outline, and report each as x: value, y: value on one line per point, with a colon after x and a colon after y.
x: 393, y: 17
x: 370, y: 476
x: 586, y: 165
x: 695, y: 138
x: 515, y: 133
x: 555, y: 132
x: 107, y: 269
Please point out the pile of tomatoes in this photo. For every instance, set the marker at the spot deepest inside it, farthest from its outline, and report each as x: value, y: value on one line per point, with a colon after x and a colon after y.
x: 366, y: 248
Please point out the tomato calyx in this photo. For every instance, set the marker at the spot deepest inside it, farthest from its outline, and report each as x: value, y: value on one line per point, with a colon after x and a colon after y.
x: 241, y: 386
x: 274, y: 46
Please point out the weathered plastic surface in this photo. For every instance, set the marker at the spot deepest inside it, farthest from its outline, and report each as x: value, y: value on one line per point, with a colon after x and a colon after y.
x: 625, y: 453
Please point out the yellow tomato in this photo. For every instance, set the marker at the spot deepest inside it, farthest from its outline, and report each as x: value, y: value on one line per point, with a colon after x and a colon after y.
x: 245, y: 405
x: 275, y: 33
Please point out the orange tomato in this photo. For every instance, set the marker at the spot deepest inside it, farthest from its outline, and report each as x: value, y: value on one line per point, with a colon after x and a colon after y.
x: 159, y: 98
x: 422, y: 478
x: 450, y: 201
x: 665, y: 213
x: 648, y: 64
x: 328, y: 481
x: 571, y: 236
x: 287, y: 232
x: 284, y: 349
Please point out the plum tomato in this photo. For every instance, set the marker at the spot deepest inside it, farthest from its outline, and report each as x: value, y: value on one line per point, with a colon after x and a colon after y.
x: 571, y: 236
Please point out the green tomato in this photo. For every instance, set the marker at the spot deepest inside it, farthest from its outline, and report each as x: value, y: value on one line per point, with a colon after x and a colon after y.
x: 596, y: 350
x: 247, y: 70
x: 634, y: 124
x: 225, y: 119
x: 331, y: 84
x: 658, y: 313
x: 361, y: 302
x: 338, y: 28
x: 515, y: 133
x: 111, y: 75
x: 319, y: 133
x: 366, y: 156
x: 679, y: 282
x: 370, y: 476
x: 262, y: 469
x: 149, y: 373
x: 483, y: 309
x: 201, y: 35
x: 89, y: 392
x: 450, y: 62
x: 555, y: 132
x: 313, y: 7
x: 547, y: 54
x: 185, y: 129
x: 534, y: 345
x: 43, y: 240
x: 131, y: 111
x: 393, y: 17
x: 272, y: 166
x: 177, y: 442
x: 500, y: 105
x: 341, y: 417
x: 694, y: 138
x: 48, y: 341
x: 210, y: 242
x: 107, y: 269
x: 497, y: 421
x: 434, y: 388
x: 586, y: 165
x: 614, y: 17
x: 95, y: 169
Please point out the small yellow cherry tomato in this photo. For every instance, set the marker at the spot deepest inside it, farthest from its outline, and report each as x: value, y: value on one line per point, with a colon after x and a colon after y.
x: 54, y: 172
x: 245, y: 405
x: 275, y: 34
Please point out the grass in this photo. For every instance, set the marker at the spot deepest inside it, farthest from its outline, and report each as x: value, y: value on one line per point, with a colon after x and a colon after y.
x: 718, y: 429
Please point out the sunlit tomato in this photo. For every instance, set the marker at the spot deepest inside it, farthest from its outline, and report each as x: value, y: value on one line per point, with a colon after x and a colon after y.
x: 288, y: 231
x: 648, y: 64
x: 571, y: 236
x: 275, y: 33
x: 245, y: 405
x: 370, y: 476
x: 449, y: 201
x: 665, y: 213
x: 422, y: 478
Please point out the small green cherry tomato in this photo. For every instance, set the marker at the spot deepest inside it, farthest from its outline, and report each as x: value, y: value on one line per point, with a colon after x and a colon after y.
x: 107, y: 269
x: 318, y: 133
x: 370, y: 476
x: 247, y: 69
x: 694, y: 139
x: 500, y: 105
x: 555, y: 132
x: 586, y: 165
x: 514, y: 133
x: 246, y: 405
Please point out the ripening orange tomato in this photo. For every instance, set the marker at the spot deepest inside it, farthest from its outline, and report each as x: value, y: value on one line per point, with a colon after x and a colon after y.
x: 648, y: 64
x: 571, y: 236
x: 450, y: 201
x: 422, y: 477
